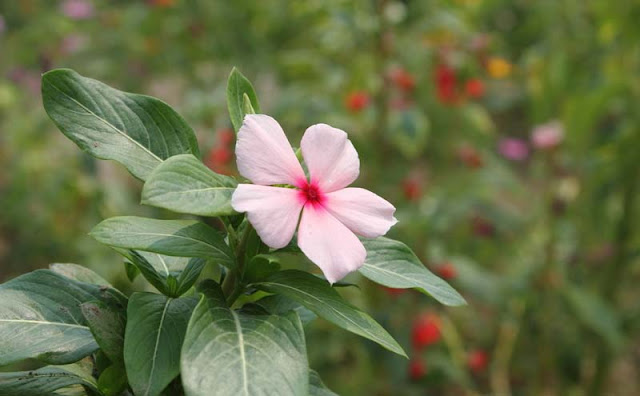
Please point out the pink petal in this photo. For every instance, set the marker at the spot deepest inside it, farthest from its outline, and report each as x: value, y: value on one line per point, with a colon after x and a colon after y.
x: 361, y: 211
x: 329, y: 244
x: 331, y: 158
x: 264, y: 154
x: 273, y: 211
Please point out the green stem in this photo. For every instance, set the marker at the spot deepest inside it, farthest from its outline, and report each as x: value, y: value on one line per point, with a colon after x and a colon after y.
x: 233, y: 286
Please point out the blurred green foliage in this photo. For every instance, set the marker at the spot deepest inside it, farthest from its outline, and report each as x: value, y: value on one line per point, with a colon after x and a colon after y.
x: 540, y: 238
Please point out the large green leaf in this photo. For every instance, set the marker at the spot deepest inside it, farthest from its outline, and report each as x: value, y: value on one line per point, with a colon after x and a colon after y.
x: 107, y: 323
x: 318, y: 296
x: 239, y: 353
x: 156, y: 327
x: 279, y: 305
x: 44, y: 381
x: 184, y: 184
x: 237, y: 87
x: 393, y: 264
x: 79, y: 273
x: 183, y: 238
x: 136, y: 130
x: 40, y: 318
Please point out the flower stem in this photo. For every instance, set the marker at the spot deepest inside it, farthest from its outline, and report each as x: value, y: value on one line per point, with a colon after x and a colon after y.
x: 232, y: 286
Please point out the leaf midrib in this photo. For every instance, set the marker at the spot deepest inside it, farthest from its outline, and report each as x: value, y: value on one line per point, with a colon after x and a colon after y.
x: 108, y: 123
x: 155, y: 348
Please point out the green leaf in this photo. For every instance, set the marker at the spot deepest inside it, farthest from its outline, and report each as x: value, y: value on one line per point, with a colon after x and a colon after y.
x: 40, y: 318
x: 107, y: 323
x: 79, y: 273
x: 317, y: 387
x: 318, y: 296
x: 131, y: 270
x: 247, y: 107
x: 113, y: 380
x: 279, y: 305
x: 182, y: 238
x: 237, y: 87
x: 184, y: 184
x: 237, y: 353
x: 43, y: 381
x: 165, y: 279
x: 136, y: 130
x: 261, y: 266
x: 156, y: 327
x: 393, y: 264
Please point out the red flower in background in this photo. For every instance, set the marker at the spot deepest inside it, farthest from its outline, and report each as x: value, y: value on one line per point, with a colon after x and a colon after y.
x: 412, y: 189
x: 477, y: 360
x: 226, y: 136
x: 470, y: 156
x: 417, y: 369
x: 357, y: 101
x: 474, y: 88
x: 393, y: 292
x: 425, y: 331
x: 482, y: 227
x: 446, y: 84
x: 447, y: 271
x: 402, y: 79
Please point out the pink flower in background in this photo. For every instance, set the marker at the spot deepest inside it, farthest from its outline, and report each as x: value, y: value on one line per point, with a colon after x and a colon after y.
x: 77, y: 9
x: 332, y: 215
x: 513, y: 149
x: 547, y: 136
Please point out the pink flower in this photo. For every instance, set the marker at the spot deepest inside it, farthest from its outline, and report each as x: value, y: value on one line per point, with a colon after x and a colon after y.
x: 547, y: 136
x: 77, y: 9
x: 513, y: 149
x: 332, y: 215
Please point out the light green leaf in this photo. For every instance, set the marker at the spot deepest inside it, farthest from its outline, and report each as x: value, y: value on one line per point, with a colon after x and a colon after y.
x: 237, y: 353
x: 393, y: 264
x: 113, y: 380
x: 43, y: 381
x: 136, y: 130
x: 184, y: 184
x: 183, y: 238
x: 40, y: 318
x: 107, y: 323
x: 237, y: 87
x: 318, y: 296
x: 79, y: 273
x: 596, y: 314
x: 156, y: 327
x: 317, y: 387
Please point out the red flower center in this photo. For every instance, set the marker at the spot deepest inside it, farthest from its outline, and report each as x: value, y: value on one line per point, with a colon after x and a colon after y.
x: 311, y: 193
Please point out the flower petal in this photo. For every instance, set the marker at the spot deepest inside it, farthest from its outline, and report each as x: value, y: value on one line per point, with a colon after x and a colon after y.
x: 273, y: 211
x: 329, y: 244
x: 264, y: 154
x: 331, y: 158
x: 361, y: 211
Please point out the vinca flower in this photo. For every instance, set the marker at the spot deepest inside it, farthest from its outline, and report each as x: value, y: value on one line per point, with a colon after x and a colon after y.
x: 330, y: 213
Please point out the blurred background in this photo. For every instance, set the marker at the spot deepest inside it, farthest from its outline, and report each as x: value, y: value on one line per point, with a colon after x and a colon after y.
x: 507, y: 134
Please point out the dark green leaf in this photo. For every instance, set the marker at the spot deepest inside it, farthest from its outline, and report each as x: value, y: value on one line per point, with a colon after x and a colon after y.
x: 237, y: 87
x: 182, y: 238
x: 107, y: 323
x: 279, y: 305
x: 136, y: 130
x: 44, y: 381
x: 393, y: 264
x: 113, y: 380
x: 260, y: 267
x: 40, y: 318
x: 236, y: 353
x: 318, y: 296
x: 184, y: 184
x: 163, y: 278
x: 156, y: 327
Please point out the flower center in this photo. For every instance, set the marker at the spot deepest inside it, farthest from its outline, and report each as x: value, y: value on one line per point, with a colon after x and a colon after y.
x: 311, y: 193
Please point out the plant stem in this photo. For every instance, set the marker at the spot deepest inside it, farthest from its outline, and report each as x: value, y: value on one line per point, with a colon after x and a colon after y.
x: 232, y: 286
x: 507, y: 337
